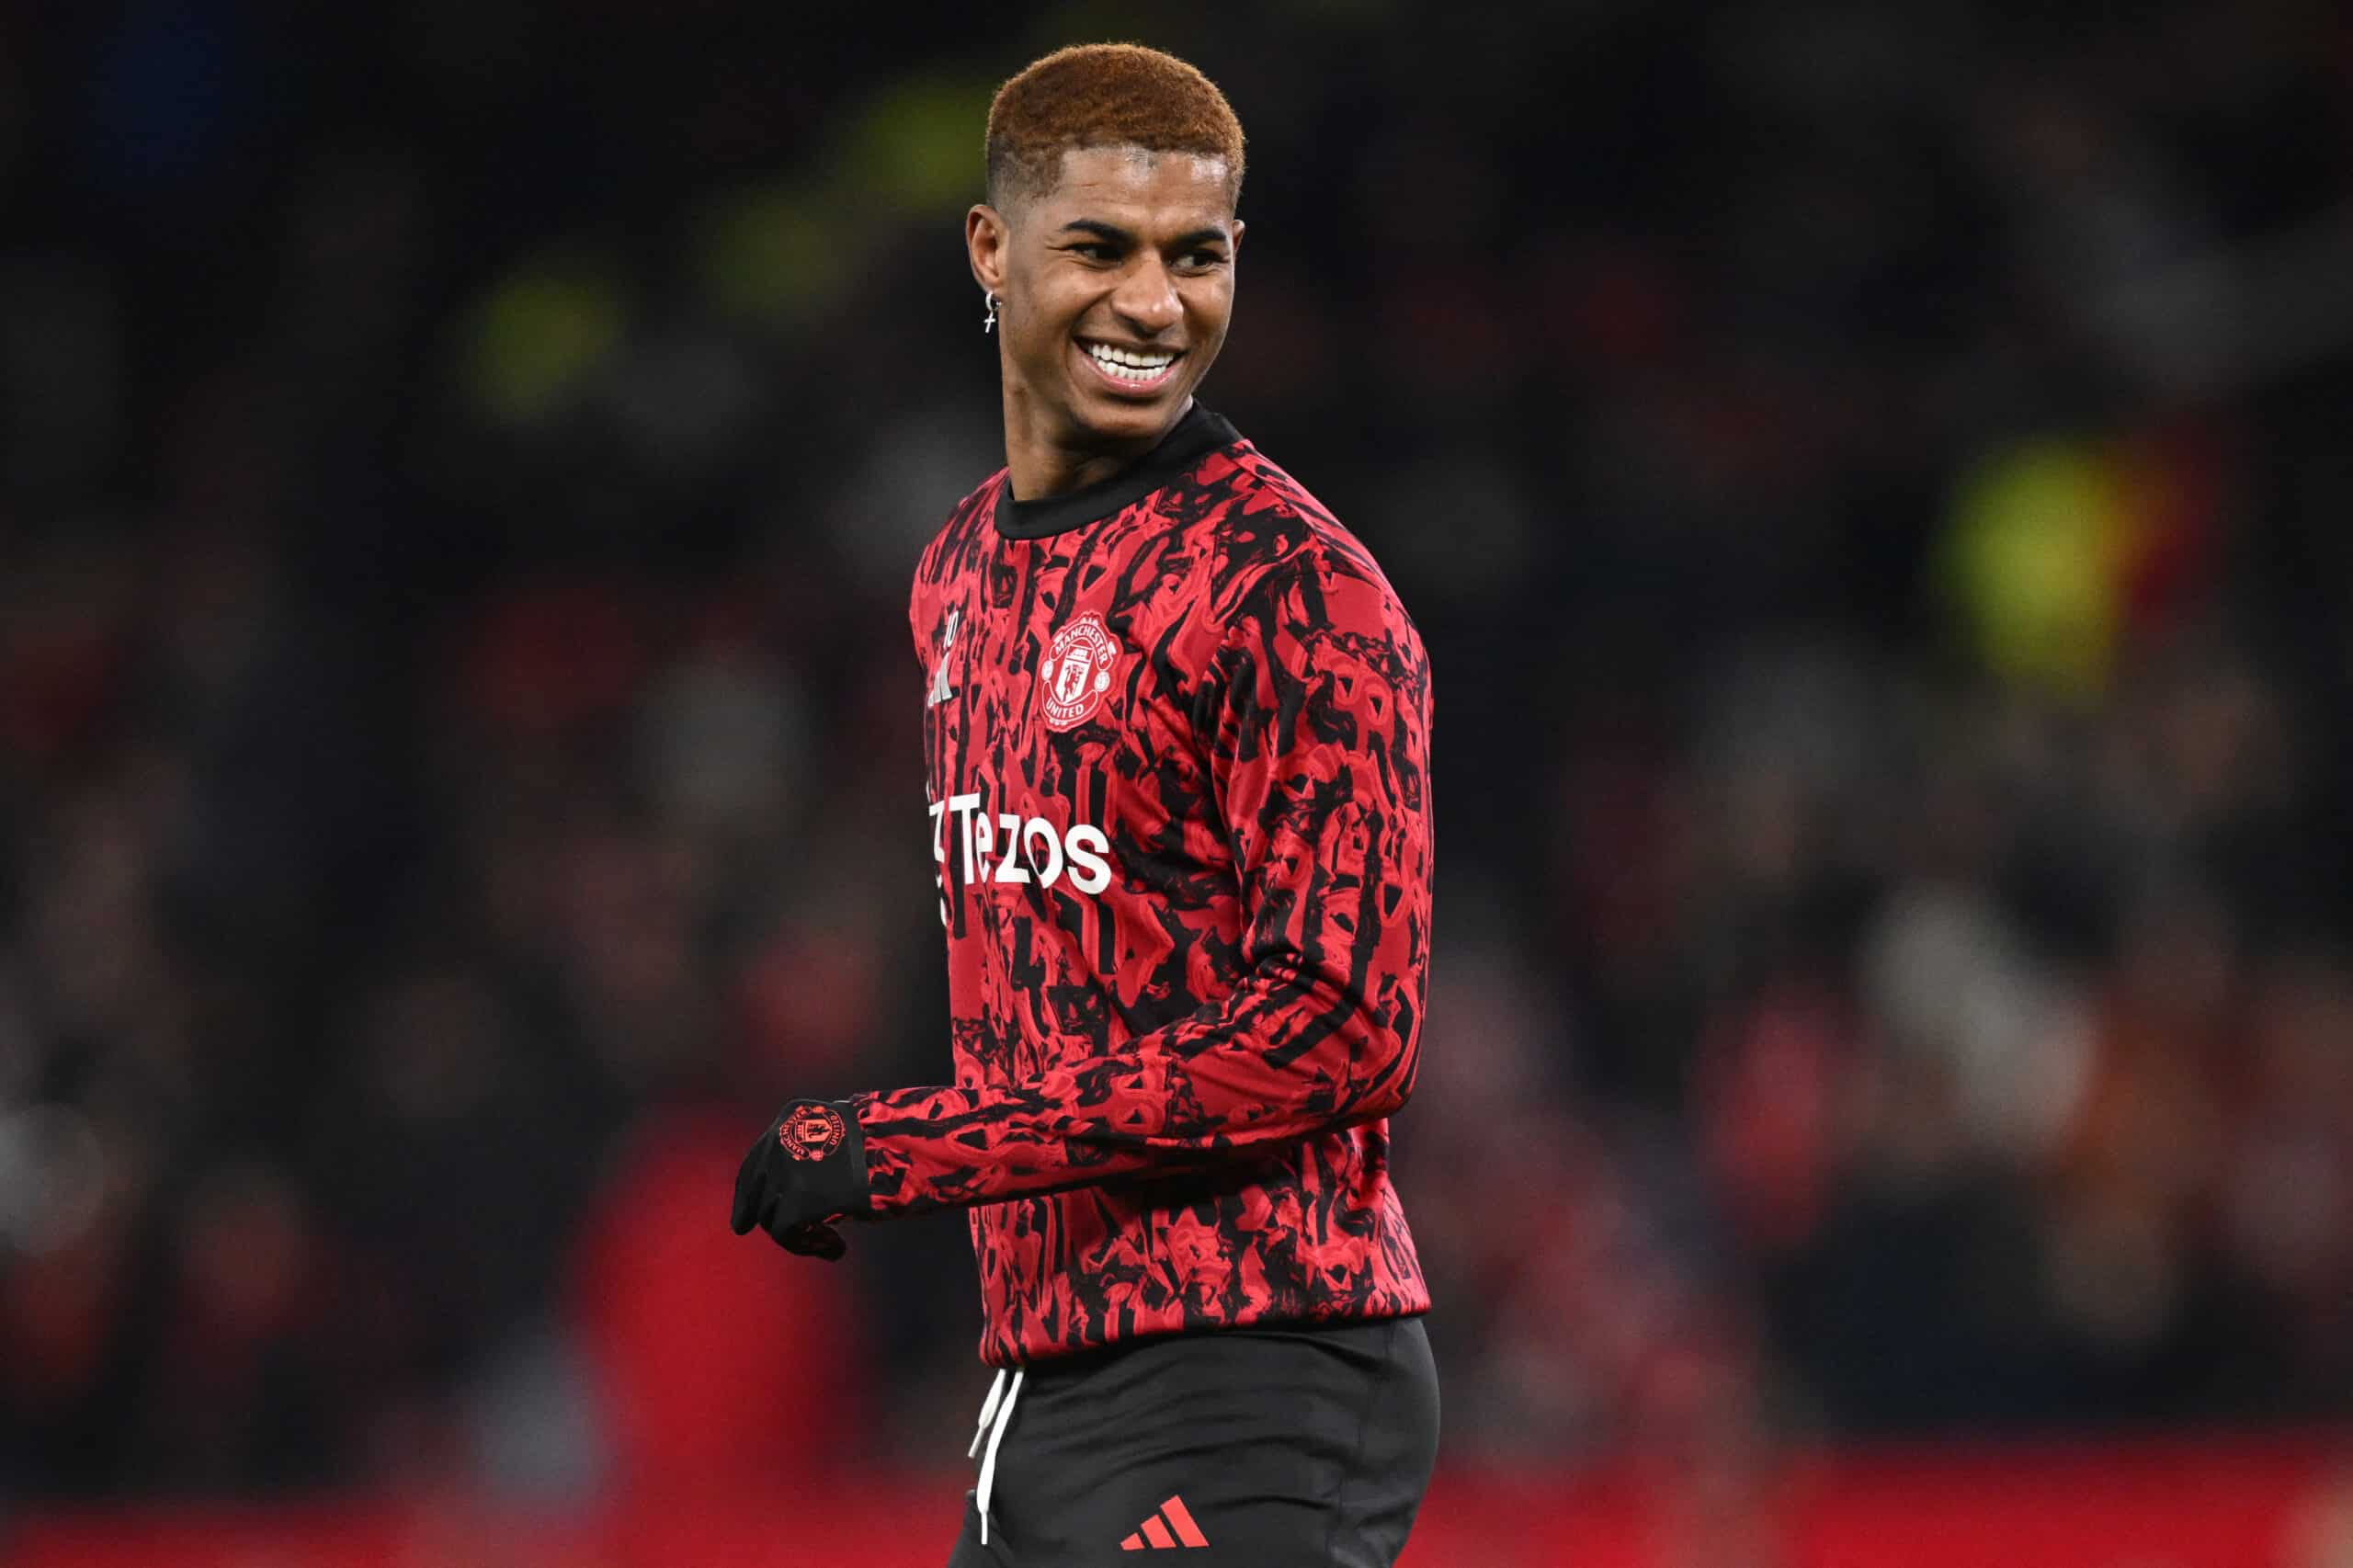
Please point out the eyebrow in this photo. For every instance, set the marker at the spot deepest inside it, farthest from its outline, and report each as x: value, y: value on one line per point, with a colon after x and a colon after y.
x: 1114, y: 234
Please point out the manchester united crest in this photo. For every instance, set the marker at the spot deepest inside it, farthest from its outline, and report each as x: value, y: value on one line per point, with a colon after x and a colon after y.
x: 1077, y: 671
x: 812, y: 1133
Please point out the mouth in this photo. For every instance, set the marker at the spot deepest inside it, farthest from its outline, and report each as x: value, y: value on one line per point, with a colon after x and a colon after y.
x: 1131, y: 371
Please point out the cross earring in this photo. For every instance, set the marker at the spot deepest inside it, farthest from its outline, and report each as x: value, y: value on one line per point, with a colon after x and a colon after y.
x: 988, y: 322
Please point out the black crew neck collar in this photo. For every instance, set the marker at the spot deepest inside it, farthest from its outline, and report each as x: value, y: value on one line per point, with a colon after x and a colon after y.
x: 1198, y: 432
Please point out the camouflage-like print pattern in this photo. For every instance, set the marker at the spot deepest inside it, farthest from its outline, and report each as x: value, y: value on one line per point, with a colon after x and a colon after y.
x: 1170, y: 1094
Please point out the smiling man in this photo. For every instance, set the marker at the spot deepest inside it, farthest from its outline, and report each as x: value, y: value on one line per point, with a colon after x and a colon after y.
x: 1177, y: 732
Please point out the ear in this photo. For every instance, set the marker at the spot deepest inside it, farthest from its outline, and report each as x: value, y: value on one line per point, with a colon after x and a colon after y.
x: 986, y: 237
x: 1233, y: 245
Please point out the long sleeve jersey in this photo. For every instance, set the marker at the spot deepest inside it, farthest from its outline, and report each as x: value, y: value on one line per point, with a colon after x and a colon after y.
x: 1176, y: 732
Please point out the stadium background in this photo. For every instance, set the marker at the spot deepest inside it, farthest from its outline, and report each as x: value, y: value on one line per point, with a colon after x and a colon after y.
x: 1874, y: 481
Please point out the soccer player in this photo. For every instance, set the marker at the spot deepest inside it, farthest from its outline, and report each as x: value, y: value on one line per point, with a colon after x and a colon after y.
x: 1175, y: 730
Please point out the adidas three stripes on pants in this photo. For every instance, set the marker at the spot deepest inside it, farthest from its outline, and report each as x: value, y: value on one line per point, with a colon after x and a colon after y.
x: 1294, y: 1447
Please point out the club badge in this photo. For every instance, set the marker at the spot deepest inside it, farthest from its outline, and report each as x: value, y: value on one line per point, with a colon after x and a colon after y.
x: 812, y: 1133
x: 1077, y: 671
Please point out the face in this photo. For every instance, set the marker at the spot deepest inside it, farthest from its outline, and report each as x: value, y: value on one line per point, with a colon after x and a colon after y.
x: 1117, y: 286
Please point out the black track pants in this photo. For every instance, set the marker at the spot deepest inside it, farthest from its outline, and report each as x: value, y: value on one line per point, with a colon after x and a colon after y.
x: 1258, y: 1447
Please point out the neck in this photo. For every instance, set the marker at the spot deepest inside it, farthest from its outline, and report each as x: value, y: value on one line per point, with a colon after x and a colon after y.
x: 1044, y: 457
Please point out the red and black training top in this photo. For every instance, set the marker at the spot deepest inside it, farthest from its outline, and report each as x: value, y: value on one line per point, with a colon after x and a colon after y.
x: 1177, y: 734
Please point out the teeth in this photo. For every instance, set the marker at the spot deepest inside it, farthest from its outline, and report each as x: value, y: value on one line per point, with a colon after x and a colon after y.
x: 1127, y: 365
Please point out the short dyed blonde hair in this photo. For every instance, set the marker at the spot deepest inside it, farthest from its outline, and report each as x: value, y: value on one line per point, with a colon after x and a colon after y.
x: 1105, y: 95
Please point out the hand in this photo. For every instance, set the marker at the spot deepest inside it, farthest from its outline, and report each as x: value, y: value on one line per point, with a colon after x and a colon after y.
x: 805, y: 1172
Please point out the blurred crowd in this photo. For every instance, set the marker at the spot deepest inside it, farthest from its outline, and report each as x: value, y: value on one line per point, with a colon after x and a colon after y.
x: 1873, y: 480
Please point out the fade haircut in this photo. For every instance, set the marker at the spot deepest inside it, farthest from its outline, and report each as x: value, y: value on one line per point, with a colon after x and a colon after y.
x: 1105, y: 95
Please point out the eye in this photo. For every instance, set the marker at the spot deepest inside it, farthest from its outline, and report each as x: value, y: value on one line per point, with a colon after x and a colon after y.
x: 1205, y: 258
x: 1098, y: 250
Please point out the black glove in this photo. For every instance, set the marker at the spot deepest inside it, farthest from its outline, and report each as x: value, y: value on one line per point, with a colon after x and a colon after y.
x: 807, y: 1170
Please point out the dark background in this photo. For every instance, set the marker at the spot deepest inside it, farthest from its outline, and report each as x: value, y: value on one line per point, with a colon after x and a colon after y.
x: 1873, y: 480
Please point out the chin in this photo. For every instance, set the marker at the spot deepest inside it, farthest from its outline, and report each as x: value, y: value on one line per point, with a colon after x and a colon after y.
x: 1127, y: 419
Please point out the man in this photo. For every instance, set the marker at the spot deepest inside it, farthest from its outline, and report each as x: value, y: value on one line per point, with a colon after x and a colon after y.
x: 1175, y: 730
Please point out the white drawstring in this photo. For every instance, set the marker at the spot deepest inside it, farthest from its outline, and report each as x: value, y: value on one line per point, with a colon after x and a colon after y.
x: 1004, y: 1414
x: 988, y: 1413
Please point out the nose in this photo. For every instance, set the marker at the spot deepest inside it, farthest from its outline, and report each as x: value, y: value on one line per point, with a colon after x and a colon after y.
x: 1146, y: 298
